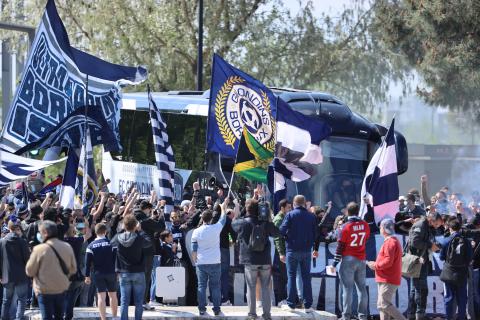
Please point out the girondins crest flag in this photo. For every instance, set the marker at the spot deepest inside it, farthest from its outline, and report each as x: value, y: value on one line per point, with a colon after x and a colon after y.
x: 238, y: 100
x: 381, y: 180
x: 53, y: 86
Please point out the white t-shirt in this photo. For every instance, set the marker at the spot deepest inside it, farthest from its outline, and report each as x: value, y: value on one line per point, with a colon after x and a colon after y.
x: 208, y: 239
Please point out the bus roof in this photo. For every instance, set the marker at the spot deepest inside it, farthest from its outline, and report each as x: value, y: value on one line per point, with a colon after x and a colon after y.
x: 317, y: 104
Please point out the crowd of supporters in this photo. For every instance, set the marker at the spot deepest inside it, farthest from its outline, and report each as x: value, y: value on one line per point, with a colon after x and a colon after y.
x: 55, y: 259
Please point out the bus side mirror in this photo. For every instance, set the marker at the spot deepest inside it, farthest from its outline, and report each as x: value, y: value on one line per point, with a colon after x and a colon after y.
x: 402, y: 153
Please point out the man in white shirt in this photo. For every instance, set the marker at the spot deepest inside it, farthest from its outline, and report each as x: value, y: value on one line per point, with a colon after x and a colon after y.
x: 206, y: 256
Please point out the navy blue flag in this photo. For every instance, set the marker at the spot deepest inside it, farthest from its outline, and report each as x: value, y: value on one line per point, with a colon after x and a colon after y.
x: 53, y: 85
x: 238, y: 100
x: 67, y: 193
x: 380, y: 185
x: 297, y: 149
x: 86, y: 186
x: 69, y: 132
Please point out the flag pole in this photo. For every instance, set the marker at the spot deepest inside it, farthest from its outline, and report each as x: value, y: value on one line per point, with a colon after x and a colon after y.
x: 274, y: 205
x: 85, y: 156
x: 205, y: 156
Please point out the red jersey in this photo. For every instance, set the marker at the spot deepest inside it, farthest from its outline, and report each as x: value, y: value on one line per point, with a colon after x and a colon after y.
x: 353, y: 237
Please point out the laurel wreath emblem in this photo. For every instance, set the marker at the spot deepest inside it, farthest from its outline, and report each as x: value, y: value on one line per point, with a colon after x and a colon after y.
x: 269, y: 145
x: 225, y: 131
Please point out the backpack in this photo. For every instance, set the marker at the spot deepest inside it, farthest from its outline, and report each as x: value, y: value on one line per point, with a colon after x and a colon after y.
x: 455, y: 268
x: 457, y: 253
x: 258, y: 238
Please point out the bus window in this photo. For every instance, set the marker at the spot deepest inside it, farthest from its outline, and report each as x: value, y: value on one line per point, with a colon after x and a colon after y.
x: 186, y: 135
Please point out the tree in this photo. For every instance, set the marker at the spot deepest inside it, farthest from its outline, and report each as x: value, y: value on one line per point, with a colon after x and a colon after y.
x: 440, y: 39
x: 260, y: 36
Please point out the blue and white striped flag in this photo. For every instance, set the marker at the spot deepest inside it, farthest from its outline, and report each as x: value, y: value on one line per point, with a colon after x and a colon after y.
x: 381, y: 180
x: 13, y: 167
x: 163, y: 155
x: 297, y: 148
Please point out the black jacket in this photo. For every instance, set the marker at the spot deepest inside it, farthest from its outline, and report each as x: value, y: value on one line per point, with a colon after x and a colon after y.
x: 150, y: 227
x: 132, y: 248
x: 243, y: 227
x: 167, y: 256
x: 420, y: 238
x: 14, y: 255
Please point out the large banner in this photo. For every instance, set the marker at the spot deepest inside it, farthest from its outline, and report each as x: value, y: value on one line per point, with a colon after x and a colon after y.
x: 53, y: 86
x: 144, y: 177
x: 326, y: 289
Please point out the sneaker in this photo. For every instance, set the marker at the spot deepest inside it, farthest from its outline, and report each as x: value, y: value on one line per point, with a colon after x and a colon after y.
x: 267, y: 316
x: 147, y: 306
x: 309, y: 310
x: 251, y: 316
x: 226, y: 303
x: 155, y: 304
x: 201, y: 313
x: 218, y: 313
x: 282, y: 303
x: 286, y: 307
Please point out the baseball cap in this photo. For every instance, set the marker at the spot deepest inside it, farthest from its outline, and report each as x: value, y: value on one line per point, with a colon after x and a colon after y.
x: 402, y: 198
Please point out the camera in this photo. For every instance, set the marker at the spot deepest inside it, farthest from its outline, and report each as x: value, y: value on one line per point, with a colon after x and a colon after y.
x: 263, y: 211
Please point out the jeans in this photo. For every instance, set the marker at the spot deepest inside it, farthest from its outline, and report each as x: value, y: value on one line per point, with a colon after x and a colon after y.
x: 153, y: 286
x: 209, y: 273
x: 279, y: 271
x: 417, y: 301
x: 71, y: 297
x: 129, y: 282
x: 455, y: 296
x: 148, y: 277
x: 51, y: 306
x: 251, y: 274
x: 299, y: 283
x: 294, y: 260
x: 225, y: 277
x: 352, y: 273
x: 476, y: 291
x: 9, y: 289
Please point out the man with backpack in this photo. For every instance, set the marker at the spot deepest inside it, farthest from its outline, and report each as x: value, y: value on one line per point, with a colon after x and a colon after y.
x: 457, y: 253
x: 300, y: 228
x: 253, y: 234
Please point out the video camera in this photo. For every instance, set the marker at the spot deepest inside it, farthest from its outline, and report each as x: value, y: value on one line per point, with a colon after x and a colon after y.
x: 263, y: 210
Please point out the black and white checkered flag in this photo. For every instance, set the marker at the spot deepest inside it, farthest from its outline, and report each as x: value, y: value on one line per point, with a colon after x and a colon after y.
x: 163, y: 155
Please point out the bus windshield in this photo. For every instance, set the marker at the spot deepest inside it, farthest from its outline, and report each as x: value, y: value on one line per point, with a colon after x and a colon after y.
x: 339, y: 177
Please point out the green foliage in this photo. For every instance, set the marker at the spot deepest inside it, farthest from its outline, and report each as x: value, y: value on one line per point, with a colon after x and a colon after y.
x: 337, y: 55
x: 440, y: 40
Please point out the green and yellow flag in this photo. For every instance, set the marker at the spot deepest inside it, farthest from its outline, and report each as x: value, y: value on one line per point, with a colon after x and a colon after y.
x: 252, y: 158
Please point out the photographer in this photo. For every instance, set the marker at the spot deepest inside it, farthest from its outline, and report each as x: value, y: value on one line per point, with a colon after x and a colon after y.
x: 253, y: 234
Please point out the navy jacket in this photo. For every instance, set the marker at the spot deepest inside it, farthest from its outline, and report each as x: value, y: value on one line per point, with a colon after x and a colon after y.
x: 14, y: 255
x: 299, y: 228
x: 446, y: 243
